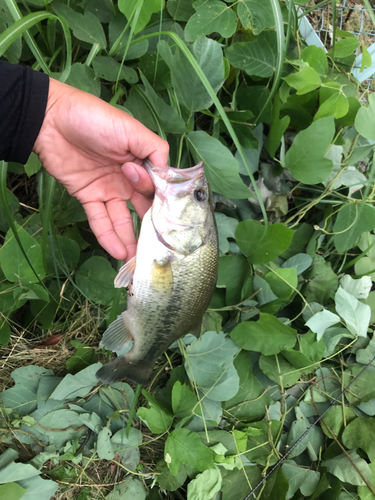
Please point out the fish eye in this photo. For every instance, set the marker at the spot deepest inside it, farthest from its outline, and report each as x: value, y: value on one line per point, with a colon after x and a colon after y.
x: 200, y: 195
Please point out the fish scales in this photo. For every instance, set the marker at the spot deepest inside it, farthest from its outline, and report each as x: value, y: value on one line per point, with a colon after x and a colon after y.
x: 174, y: 276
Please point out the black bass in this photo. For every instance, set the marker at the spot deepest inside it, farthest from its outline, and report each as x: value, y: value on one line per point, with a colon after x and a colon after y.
x: 171, y: 279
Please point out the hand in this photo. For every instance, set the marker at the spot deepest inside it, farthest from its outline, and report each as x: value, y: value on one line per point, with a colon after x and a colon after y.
x: 96, y: 151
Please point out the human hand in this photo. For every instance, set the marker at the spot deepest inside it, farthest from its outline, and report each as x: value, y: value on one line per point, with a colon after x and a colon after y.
x: 96, y: 151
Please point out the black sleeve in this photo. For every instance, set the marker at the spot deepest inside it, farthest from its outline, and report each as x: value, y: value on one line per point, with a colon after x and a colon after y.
x: 23, y: 101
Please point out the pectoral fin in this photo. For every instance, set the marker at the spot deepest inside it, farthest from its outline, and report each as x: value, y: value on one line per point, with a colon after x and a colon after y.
x: 117, y: 336
x: 125, y: 274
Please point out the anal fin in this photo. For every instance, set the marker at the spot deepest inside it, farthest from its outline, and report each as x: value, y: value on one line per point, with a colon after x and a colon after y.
x: 125, y: 274
x: 121, y: 367
x: 117, y: 336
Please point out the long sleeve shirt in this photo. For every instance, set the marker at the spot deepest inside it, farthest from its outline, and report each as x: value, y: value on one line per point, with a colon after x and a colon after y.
x: 23, y: 101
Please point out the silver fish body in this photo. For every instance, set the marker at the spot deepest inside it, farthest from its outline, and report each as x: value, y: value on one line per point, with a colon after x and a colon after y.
x: 171, y: 279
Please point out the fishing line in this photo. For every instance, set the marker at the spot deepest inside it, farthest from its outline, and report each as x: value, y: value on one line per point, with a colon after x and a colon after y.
x: 252, y: 492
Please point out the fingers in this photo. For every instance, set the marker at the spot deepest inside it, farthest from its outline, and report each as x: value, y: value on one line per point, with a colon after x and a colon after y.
x: 138, y: 178
x: 113, y: 227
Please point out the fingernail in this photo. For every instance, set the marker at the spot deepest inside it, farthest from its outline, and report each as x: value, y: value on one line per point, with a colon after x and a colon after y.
x: 131, y: 173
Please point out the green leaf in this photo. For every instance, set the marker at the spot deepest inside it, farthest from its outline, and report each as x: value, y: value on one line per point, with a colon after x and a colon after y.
x: 76, y: 386
x: 62, y: 253
x: 33, y: 165
x: 168, y: 481
x: 184, y: 401
x: 221, y: 167
x: 359, y: 288
x: 11, y: 491
x: 256, y: 99
x: 233, y: 271
x: 209, y: 365
x: 211, y: 16
x: 82, y: 77
x: 316, y: 58
x: 283, y: 282
x: 278, y: 127
x: 306, y: 157
x: 256, y: 335
x: 86, y: 27
x: 360, y: 433
x: 355, y: 314
x: 322, y: 281
x: 187, y: 84
x: 256, y: 15
x: 341, y: 467
x: 157, y: 418
x: 109, y: 69
x: 204, y: 486
x: 365, y: 119
x: 336, y: 418
x: 257, y: 58
x: 352, y: 220
x: 251, y: 399
x: 226, y: 227
x: 300, y: 478
x: 301, y: 261
x: 38, y: 488
x: 366, y: 58
x: 304, y: 81
x: 4, y: 332
x: 95, y: 278
x: 236, y: 482
x: 260, y: 244
x: 131, y: 487
x: 148, y: 8
x: 167, y: 115
x: 104, y: 447
x: 278, y: 369
x: 180, y: 10
x: 16, y: 472
x: 336, y: 105
x: 260, y: 436
x: 13, y: 262
x: 362, y: 389
x: 185, y: 447
x: 345, y: 47
x: 321, y: 321
x: 22, y: 397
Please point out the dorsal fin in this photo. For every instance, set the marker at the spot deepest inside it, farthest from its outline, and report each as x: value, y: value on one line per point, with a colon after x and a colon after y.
x: 125, y: 274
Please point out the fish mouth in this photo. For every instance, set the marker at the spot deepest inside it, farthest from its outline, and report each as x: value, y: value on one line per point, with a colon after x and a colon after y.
x: 174, y: 175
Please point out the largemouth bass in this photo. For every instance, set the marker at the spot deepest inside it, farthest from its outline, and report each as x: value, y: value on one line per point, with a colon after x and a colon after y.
x: 171, y: 279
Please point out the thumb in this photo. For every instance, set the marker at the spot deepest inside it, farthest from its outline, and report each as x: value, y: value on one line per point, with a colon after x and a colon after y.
x: 138, y: 178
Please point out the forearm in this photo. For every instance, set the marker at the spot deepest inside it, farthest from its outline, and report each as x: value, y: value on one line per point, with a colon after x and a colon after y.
x: 23, y: 100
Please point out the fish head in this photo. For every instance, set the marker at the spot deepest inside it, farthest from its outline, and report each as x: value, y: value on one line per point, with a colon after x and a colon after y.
x: 182, y: 212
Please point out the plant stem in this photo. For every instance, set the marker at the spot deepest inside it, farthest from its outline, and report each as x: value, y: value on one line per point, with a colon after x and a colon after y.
x: 132, y: 409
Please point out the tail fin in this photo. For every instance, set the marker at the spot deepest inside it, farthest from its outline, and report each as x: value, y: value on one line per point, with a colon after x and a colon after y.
x: 121, y: 367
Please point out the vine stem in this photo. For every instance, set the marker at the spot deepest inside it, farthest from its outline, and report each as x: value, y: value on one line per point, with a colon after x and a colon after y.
x: 133, y: 407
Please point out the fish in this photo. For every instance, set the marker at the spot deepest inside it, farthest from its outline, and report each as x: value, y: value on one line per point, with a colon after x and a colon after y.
x: 172, y: 277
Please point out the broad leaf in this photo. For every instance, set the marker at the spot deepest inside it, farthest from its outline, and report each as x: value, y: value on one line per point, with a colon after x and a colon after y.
x: 128, y: 7
x: 352, y: 220
x: 255, y: 15
x: 304, y: 81
x: 95, y: 278
x: 185, y: 447
x: 205, y: 485
x: 341, y: 467
x: 260, y: 244
x: 221, y: 167
x: 188, y: 86
x: 365, y: 119
x: 306, y: 157
x: 157, y: 418
x: 211, y: 16
x: 257, y: 58
x: 13, y: 263
x: 267, y: 335
x: 360, y: 433
x: 355, y: 314
x: 321, y: 321
x: 209, y: 365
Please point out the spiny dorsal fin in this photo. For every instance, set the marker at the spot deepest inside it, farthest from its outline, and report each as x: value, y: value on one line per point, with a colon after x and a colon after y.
x: 125, y: 274
x: 117, y: 336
